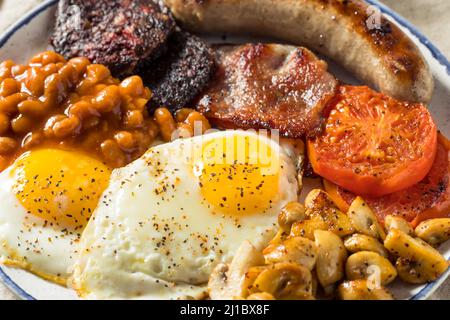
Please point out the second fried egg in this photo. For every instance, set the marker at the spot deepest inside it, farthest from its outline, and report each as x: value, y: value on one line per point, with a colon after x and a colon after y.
x: 169, y: 218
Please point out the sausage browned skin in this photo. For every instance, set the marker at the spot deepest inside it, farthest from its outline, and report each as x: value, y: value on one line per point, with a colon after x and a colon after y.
x: 379, y: 54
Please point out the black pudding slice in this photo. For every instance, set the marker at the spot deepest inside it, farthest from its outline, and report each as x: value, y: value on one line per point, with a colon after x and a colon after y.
x: 117, y: 33
x: 181, y: 74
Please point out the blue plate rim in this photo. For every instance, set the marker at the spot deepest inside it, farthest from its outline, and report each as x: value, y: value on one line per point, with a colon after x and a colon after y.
x: 436, y: 53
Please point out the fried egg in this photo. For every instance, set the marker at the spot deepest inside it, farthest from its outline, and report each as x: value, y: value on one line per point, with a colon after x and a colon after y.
x: 167, y: 219
x: 47, y: 197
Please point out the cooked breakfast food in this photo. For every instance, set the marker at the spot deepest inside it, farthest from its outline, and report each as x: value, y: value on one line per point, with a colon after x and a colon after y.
x: 268, y: 86
x: 178, y: 76
x: 48, y: 196
x: 378, y: 53
x: 170, y: 217
x: 54, y: 102
x: 136, y: 37
x: 355, y: 265
x: 129, y: 188
x: 428, y: 199
x: 118, y: 33
x: 372, y: 144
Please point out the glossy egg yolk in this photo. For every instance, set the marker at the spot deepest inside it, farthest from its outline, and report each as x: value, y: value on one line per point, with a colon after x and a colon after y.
x: 239, y: 175
x: 61, y: 187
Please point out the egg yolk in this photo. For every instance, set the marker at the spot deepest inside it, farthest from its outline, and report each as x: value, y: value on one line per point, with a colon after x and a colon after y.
x: 239, y: 175
x: 61, y: 187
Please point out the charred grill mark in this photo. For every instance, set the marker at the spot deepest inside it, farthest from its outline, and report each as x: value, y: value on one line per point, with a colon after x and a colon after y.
x: 385, y: 37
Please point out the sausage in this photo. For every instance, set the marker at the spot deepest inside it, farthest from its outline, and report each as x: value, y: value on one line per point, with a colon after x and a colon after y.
x: 379, y: 53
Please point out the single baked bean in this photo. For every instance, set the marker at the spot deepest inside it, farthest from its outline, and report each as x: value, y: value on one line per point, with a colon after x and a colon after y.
x: 4, y: 123
x: 9, y: 104
x: 5, y: 69
x: 80, y: 64
x: 132, y: 86
x: 85, y: 86
x: 33, y: 108
x: 182, y: 114
x: 32, y: 139
x: 18, y: 69
x: 7, y: 145
x: 69, y: 75
x: 66, y: 127
x: 8, y: 87
x: 139, y: 104
x: 21, y: 124
x: 107, y: 100
x: 49, y: 69
x: 198, y: 121
x: 97, y: 72
x: 48, y: 128
x: 83, y: 110
x: 166, y: 123
x: 112, y: 153
x: 133, y: 119
x: 54, y: 88
x: 34, y: 80
x: 125, y: 140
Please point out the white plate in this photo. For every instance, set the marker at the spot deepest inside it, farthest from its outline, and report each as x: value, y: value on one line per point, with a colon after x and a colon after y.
x: 30, y: 35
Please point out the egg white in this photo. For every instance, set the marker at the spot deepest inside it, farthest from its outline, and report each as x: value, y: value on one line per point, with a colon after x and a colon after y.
x: 29, y: 242
x: 148, y: 243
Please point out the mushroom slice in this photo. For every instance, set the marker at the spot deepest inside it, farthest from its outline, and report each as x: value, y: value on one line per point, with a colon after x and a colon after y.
x: 228, y: 281
x: 364, y: 220
x: 360, y: 242
x: 285, y: 281
x: 331, y: 257
x: 362, y: 290
x: 367, y: 264
x: 292, y: 212
x: 434, y: 231
x: 394, y: 222
x: 318, y: 202
x: 261, y: 296
x: 296, y: 249
x: 306, y: 228
x: 420, y: 262
x: 250, y: 277
x: 278, y: 239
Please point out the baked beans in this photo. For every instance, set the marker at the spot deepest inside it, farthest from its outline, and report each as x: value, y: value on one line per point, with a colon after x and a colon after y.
x: 186, y: 123
x: 76, y: 104
x: 51, y: 101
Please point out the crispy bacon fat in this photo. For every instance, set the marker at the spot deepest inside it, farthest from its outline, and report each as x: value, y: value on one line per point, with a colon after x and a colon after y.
x: 268, y: 86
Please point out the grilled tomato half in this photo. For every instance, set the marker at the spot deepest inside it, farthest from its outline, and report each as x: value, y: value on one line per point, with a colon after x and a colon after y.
x: 372, y: 144
x: 428, y: 199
